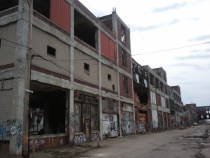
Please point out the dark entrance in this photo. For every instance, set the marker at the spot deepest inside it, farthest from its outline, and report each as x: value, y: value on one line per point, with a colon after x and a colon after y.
x: 47, y: 109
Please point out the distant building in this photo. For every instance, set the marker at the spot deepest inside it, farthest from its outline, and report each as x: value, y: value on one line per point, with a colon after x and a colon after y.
x: 159, y: 99
x: 203, y: 114
x: 176, y: 106
x: 191, y: 115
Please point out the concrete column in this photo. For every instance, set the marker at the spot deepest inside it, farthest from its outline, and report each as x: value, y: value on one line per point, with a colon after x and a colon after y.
x: 114, y: 23
x: 16, y: 140
x: 100, y: 85
x: 71, y: 93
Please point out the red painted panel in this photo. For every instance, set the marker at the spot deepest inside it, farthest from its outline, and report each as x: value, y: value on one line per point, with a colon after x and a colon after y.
x: 104, y: 45
x: 158, y: 99
x: 112, y: 51
x: 108, y: 47
x: 60, y: 14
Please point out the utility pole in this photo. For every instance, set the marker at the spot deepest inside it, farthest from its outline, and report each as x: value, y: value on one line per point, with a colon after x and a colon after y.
x: 27, y: 84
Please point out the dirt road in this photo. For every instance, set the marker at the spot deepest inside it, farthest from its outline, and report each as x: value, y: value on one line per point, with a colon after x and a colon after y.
x: 186, y: 143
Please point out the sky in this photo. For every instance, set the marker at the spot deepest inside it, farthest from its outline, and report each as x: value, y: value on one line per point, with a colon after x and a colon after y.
x: 172, y: 34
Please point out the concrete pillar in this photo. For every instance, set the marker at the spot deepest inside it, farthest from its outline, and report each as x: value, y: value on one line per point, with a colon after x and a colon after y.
x: 16, y: 141
x: 100, y: 85
x: 114, y: 23
x: 71, y: 92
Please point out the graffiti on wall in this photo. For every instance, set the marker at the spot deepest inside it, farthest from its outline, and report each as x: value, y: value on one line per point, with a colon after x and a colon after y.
x: 35, y: 143
x: 110, y: 125
x: 140, y: 127
x: 79, y: 138
x: 3, y: 132
x: 73, y: 123
x: 128, y: 125
x: 95, y: 136
x: 13, y: 128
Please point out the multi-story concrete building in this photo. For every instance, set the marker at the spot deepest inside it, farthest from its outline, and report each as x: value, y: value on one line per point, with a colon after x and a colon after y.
x: 141, y: 98
x: 159, y: 99
x: 80, y: 82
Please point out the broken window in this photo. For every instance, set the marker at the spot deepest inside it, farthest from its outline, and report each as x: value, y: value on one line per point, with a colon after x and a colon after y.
x: 145, y: 83
x: 125, y: 82
x: 137, y: 78
x: 124, y: 58
x: 85, y: 30
x: 6, y: 4
x: 123, y: 37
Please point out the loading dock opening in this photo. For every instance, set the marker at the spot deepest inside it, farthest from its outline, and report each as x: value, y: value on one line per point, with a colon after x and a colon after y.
x: 47, y: 109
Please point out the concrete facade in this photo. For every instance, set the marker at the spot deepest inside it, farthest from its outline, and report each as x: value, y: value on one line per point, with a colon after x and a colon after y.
x: 70, y: 78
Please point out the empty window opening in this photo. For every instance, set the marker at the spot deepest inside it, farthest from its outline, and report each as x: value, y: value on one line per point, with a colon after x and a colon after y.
x: 125, y: 82
x: 123, y: 37
x: 124, y: 58
x: 47, y: 109
x: 113, y: 87
x: 137, y: 78
x: 6, y: 4
x: 156, y: 83
x: 43, y: 7
x: 0, y: 43
x: 85, y: 30
x: 51, y: 51
x: 86, y: 67
x: 109, y: 77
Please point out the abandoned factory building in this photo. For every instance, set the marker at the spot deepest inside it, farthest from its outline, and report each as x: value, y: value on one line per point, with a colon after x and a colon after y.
x: 67, y: 77
x: 81, y: 84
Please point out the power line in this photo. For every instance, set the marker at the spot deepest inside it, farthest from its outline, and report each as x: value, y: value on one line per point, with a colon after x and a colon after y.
x: 14, y: 43
x: 146, y: 53
x: 175, y: 48
x: 40, y: 56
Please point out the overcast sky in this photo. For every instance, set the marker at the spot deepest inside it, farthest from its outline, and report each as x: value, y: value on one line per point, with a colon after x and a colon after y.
x: 173, y: 34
